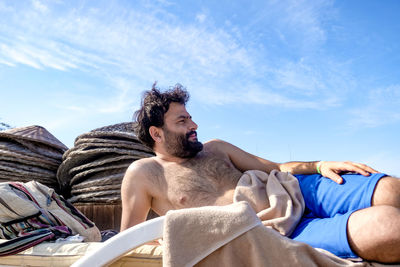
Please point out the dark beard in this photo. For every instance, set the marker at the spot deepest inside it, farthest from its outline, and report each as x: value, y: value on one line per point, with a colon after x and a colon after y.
x: 179, y: 145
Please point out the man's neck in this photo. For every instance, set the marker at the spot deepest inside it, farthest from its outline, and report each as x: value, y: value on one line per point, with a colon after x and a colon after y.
x: 169, y: 158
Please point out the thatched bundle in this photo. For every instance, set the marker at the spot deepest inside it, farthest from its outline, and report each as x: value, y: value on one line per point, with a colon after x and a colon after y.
x: 30, y: 153
x: 92, y: 171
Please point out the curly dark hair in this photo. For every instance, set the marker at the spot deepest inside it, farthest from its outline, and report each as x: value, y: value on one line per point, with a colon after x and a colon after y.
x: 154, y: 105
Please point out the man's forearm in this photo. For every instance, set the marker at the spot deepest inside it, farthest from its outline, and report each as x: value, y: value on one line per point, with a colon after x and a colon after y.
x: 298, y: 167
x: 329, y: 169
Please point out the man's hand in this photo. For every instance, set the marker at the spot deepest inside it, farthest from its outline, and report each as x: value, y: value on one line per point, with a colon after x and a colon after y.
x: 332, y: 169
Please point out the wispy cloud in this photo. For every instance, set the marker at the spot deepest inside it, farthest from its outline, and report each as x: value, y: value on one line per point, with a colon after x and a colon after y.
x: 129, y: 48
x: 297, y: 24
x: 306, y: 19
x: 37, y: 5
x: 255, y: 94
x: 123, y: 100
x: 36, y: 57
x: 7, y: 62
x: 201, y: 17
x: 381, y: 107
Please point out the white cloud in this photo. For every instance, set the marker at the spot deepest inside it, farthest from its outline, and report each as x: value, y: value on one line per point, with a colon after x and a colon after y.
x: 305, y: 17
x: 201, y: 17
x: 4, y: 7
x: 38, y: 57
x: 381, y: 108
x: 301, y: 77
x: 250, y: 132
x: 39, y: 6
x: 122, y: 100
x: 18, y: 58
x: 165, y: 2
x: 386, y: 95
x: 75, y: 108
x: 141, y: 44
x: 7, y: 62
x: 127, y: 48
x: 250, y: 94
x: 298, y: 24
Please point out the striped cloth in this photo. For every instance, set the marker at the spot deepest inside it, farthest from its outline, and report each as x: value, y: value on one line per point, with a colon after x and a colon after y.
x: 31, y: 213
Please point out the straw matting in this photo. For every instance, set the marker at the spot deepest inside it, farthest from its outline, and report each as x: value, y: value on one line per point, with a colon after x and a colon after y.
x: 106, y: 197
x: 109, y: 135
x: 102, y: 179
x: 102, y: 169
x: 25, y: 169
x: 34, y: 133
x: 105, y: 160
x: 30, y: 153
x: 77, y: 158
x: 98, y: 188
x: 21, y: 151
x: 12, y: 176
x: 106, y: 140
x: 119, y: 127
x: 10, y: 156
x: 43, y: 150
x: 104, y: 145
x: 92, y: 171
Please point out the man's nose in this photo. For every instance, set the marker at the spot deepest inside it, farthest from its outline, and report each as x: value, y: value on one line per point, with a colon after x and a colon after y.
x: 193, y: 126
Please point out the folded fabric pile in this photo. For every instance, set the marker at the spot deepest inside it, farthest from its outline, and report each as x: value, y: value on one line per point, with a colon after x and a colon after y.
x: 30, y: 153
x: 92, y: 171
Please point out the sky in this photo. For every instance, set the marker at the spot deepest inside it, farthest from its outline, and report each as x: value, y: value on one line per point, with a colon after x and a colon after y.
x: 285, y: 80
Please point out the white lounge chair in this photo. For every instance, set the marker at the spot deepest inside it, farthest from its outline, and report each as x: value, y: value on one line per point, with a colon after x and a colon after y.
x: 122, y: 243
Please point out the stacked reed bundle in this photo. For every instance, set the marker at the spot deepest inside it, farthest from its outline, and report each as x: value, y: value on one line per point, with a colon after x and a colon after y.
x: 91, y: 172
x: 30, y: 153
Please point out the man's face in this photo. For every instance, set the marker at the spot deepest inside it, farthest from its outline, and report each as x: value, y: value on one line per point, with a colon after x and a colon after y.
x: 180, y: 132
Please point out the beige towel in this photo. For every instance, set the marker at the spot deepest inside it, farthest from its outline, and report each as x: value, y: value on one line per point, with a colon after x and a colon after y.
x: 192, y: 234
x: 234, y: 236
x: 276, y: 197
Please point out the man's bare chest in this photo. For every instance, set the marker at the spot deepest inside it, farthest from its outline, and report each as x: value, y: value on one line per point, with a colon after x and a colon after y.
x: 200, y: 181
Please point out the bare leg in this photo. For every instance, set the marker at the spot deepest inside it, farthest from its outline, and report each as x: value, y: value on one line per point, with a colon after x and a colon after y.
x: 374, y: 233
x: 387, y: 192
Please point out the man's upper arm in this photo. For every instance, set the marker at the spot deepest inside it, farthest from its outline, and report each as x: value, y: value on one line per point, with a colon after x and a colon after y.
x: 136, y: 200
x: 243, y: 160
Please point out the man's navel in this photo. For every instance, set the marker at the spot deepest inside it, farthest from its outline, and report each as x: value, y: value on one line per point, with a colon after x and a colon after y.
x: 182, y: 200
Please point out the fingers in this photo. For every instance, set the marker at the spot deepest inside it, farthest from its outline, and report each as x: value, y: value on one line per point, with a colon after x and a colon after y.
x: 334, y: 177
x: 366, y: 168
x: 332, y: 170
x: 360, y: 168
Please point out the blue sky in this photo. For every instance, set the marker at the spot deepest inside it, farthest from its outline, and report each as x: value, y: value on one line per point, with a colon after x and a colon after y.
x: 285, y: 80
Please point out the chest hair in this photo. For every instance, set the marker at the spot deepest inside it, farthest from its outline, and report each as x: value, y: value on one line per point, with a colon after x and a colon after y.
x: 202, y: 179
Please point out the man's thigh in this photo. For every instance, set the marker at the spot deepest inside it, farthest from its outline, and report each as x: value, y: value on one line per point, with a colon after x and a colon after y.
x: 324, y: 198
x: 374, y: 233
x: 387, y: 192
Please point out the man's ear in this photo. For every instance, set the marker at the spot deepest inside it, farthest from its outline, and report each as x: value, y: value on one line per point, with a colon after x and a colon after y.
x: 155, y: 133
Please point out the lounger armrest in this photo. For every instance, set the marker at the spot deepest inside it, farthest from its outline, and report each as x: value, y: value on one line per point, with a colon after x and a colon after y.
x: 122, y: 243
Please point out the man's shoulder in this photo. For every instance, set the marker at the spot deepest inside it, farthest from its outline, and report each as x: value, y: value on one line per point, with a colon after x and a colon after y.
x: 143, y: 167
x: 215, y: 145
x: 145, y: 161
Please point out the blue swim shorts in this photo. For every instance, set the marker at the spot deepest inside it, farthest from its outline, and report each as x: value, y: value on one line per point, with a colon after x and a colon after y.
x: 328, y: 208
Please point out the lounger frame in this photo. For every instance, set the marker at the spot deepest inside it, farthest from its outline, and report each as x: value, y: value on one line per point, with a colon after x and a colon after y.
x: 122, y: 243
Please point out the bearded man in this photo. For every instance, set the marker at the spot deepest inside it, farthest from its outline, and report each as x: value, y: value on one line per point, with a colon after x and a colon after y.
x: 361, y: 214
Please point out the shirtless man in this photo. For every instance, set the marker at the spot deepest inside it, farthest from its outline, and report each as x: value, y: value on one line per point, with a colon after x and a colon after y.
x: 185, y: 173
